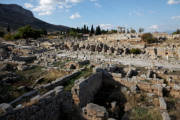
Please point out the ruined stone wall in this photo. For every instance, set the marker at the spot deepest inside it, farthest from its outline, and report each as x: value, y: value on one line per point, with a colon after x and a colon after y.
x: 46, y: 107
x: 84, y: 90
x: 130, y: 82
x: 60, y: 81
x: 163, y: 52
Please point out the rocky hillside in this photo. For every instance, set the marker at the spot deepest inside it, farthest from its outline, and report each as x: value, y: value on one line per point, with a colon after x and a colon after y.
x: 16, y: 16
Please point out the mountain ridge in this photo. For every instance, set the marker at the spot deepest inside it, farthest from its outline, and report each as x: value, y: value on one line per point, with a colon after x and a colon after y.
x: 16, y: 16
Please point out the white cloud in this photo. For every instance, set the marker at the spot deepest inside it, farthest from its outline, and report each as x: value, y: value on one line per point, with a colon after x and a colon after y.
x: 28, y: 5
x: 75, y: 16
x: 106, y: 26
x: 97, y: 5
x: 46, y: 7
x: 171, y: 2
x: 163, y: 28
x: 154, y: 27
x: 175, y: 17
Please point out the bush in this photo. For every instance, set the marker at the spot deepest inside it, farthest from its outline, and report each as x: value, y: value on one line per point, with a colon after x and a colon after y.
x: 2, y: 33
x: 177, y: 32
x: 16, y: 36
x: 8, y: 36
x: 73, y: 33
x: 148, y: 38
x: 28, y: 32
x: 135, y: 51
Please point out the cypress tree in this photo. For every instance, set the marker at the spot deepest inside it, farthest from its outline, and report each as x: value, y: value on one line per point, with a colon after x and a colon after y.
x: 8, y: 28
x: 98, y: 30
x: 92, y: 30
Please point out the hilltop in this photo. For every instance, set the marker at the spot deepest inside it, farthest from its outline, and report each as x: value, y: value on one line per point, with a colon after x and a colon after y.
x: 16, y: 16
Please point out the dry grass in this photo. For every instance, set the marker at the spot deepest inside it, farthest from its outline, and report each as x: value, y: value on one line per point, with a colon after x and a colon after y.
x: 54, y: 74
x: 30, y: 103
x: 141, y: 113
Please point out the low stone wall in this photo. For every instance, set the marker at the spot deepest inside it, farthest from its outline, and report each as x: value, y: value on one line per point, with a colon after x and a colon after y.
x: 60, y: 81
x: 163, y: 109
x: 148, y: 87
x: 84, y: 90
x: 26, y: 96
x: 175, y: 93
x: 46, y: 107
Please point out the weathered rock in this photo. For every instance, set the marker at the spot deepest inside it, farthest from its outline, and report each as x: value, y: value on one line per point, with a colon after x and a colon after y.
x: 95, y: 112
x: 113, y: 106
x: 165, y: 116
x: 150, y: 74
x: 4, y: 107
x: 111, y: 119
x: 162, y: 103
x: 131, y: 73
x: 134, y: 88
x: 84, y: 90
x: 72, y: 66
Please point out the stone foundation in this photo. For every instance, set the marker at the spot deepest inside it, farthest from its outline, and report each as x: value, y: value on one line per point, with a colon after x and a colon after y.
x: 84, y: 90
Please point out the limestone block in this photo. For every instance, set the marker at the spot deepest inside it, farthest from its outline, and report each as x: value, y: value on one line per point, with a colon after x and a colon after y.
x: 162, y: 103
x: 95, y: 112
x: 4, y: 107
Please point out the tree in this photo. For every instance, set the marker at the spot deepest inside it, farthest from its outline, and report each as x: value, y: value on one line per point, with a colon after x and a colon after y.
x: 8, y: 36
x: 87, y: 30
x: 73, y: 33
x: 177, y: 32
x: 78, y: 30
x: 98, y: 30
x: 148, y: 38
x: 44, y: 31
x: 8, y: 28
x: 92, y: 30
x: 28, y: 32
x: 104, y: 31
x: 84, y: 29
x: 2, y: 33
x: 141, y: 30
x: 133, y: 31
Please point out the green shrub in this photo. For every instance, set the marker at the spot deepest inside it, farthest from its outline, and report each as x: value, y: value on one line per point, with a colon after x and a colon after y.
x: 2, y: 33
x: 148, y: 38
x: 135, y: 51
x: 16, y: 36
x: 28, y: 32
x: 8, y: 36
x: 177, y: 32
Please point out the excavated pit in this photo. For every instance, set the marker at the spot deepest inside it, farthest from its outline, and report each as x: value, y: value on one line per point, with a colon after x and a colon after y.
x: 111, y: 97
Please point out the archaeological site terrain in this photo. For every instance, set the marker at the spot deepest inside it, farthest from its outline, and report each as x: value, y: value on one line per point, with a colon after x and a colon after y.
x: 54, y: 72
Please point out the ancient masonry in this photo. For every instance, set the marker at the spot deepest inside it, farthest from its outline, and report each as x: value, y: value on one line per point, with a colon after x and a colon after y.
x: 53, y: 104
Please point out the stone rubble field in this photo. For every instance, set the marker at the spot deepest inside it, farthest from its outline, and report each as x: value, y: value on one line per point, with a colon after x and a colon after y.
x: 106, y: 77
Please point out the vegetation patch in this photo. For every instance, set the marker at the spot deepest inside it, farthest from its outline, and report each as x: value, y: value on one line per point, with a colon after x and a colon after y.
x: 53, y: 75
x: 8, y: 93
x: 25, y: 32
x: 141, y: 113
x: 135, y: 51
x: 60, y: 63
x: 84, y: 73
x: 29, y: 76
x: 148, y: 38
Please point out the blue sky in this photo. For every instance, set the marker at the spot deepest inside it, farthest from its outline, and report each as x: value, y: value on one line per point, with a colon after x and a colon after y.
x: 153, y: 15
